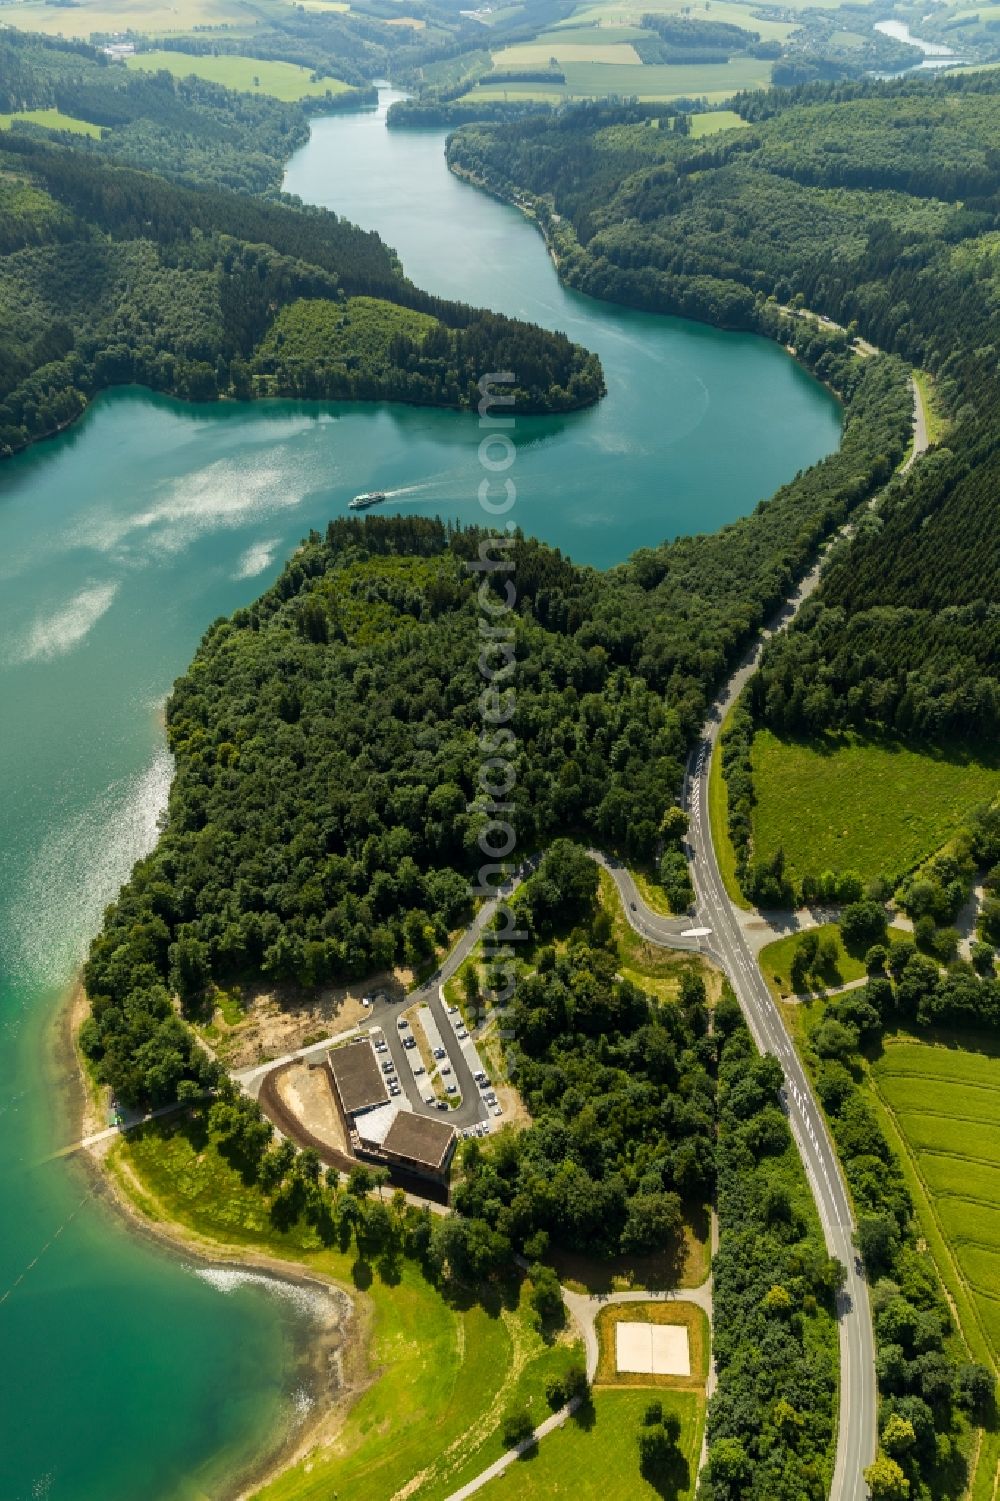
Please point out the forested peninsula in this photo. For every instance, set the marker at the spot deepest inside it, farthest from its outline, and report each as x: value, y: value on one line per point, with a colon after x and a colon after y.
x: 110, y: 276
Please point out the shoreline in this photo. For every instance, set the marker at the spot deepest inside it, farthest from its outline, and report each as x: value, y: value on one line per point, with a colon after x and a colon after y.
x: 331, y: 1363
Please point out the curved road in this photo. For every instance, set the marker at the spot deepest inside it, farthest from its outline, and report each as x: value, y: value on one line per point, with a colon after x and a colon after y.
x: 725, y: 943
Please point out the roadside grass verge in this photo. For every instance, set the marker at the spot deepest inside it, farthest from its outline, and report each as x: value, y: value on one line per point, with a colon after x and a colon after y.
x: 843, y: 802
x: 595, y: 1457
x: 718, y: 814
x: 775, y: 960
x: 247, y: 75
x: 655, y: 970
x: 435, y: 1377
x: 937, y: 423
x: 687, y: 1314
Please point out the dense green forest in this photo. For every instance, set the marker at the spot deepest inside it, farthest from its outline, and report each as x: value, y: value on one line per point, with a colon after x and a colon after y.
x: 313, y: 834
x: 188, y: 129
x: 772, y: 1423
x: 620, y: 1089
x: 110, y: 275
x: 876, y: 205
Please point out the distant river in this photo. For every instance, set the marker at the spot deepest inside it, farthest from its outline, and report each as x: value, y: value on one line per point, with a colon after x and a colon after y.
x: 126, y: 1376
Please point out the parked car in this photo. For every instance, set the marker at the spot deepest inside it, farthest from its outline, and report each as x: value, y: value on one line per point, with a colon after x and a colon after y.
x: 446, y: 1068
x: 497, y: 1110
x: 387, y: 1066
x: 451, y: 1089
x: 394, y: 1090
x: 418, y: 1068
x: 440, y: 1053
x: 442, y: 1104
x: 461, y: 1034
x: 402, y: 1024
x: 409, y: 1042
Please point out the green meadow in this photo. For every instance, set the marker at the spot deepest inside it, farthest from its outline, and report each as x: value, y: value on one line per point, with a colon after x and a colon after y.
x: 51, y: 119
x: 249, y: 75
x: 944, y: 1102
x: 841, y: 802
x: 436, y: 1376
x: 597, y: 1459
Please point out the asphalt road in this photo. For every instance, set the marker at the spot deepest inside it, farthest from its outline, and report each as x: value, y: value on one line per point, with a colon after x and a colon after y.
x: 724, y: 942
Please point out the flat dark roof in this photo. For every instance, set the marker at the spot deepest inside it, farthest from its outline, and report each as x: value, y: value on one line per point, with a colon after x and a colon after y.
x: 419, y: 1138
x: 357, y: 1076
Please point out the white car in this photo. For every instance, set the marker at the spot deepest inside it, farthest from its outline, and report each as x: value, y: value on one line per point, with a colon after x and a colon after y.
x: 461, y: 1034
x: 452, y: 1010
x: 497, y: 1110
x: 394, y: 1090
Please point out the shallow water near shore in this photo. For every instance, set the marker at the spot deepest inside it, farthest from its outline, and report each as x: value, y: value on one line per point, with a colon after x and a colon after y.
x: 131, y: 1375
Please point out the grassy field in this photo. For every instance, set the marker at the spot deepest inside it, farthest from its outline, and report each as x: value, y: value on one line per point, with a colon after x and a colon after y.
x: 776, y: 959
x: 937, y: 423
x: 440, y: 1369
x: 154, y: 17
x: 52, y: 119
x: 567, y: 49
x: 249, y: 75
x: 938, y: 1105
x: 596, y: 80
x: 845, y: 803
x: 715, y: 120
x: 945, y: 1102
x: 607, y: 14
x: 314, y: 329
x: 597, y: 1459
x: 699, y: 1339
x: 656, y: 971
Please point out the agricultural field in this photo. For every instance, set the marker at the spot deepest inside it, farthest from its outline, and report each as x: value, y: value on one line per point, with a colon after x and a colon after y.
x: 730, y: 12
x: 567, y: 49
x: 944, y: 1102
x: 845, y: 803
x: 51, y: 119
x: 715, y: 120
x: 249, y: 75
x: 107, y: 17
x: 439, y: 1369
x: 596, y: 80
x: 597, y: 1458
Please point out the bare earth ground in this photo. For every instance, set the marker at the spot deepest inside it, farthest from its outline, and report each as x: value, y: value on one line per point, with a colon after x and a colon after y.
x: 280, y: 1019
x: 305, y: 1090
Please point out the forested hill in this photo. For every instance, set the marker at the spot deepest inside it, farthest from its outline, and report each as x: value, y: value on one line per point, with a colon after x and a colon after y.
x: 877, y: 205
x: 324, y: 816
x: 185, y: 128
x: 109, y: 275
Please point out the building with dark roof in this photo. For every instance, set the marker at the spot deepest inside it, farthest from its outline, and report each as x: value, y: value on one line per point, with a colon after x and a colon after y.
x: 358, y: 1081
x: 419, y: 1144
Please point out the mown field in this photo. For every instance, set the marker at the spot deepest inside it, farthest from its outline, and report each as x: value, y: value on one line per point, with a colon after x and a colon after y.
x: 945, y: 1102
x: 597, y: 1459
x: 715, y: 120
x: 776, y: 959
x: 605, y: 13
x: 648, y: 81
x: 844, y: 803
x: 249, y: 75
x: 154, y: 17
x: 440, y: 1376
x: 51, y: 119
